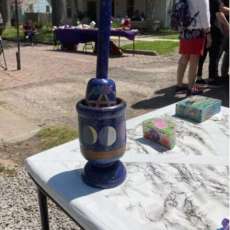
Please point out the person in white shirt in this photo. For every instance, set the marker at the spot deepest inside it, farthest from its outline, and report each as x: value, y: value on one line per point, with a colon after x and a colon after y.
x: 1, y: 24
x: 192, y: 44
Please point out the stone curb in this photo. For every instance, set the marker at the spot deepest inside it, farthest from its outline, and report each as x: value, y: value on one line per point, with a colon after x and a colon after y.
x: 142, y: 52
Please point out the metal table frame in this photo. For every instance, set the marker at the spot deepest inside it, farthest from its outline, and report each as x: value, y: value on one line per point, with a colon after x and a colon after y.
x: 43, y: 207
x: 134, y: 47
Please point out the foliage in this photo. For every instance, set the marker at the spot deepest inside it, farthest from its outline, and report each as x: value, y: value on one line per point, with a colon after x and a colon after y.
x: 45, y: 35
x: 116, y: 24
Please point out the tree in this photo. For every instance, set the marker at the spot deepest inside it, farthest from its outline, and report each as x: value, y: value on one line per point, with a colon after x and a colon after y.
x: 58, y: 12
x: 6, y: 11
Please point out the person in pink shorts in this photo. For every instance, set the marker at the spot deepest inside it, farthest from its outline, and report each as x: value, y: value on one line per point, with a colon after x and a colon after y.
x: 192, y: 44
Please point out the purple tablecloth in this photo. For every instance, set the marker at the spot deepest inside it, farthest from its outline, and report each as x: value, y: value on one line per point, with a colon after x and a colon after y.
x: 75, y: 36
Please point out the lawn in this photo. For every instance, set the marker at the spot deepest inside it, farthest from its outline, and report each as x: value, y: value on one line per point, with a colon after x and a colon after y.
x: 56, y: 135
x: 160, y: 47
x: 174, y: 36
x: 44, y: 35
x: 11, y: 33
x: 165, y: 34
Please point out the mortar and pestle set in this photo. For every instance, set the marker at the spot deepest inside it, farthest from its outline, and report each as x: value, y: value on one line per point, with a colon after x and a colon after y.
x: 102, y: 125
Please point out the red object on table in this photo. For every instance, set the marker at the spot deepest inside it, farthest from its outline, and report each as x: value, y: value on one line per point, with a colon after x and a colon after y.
x: 126, y: 24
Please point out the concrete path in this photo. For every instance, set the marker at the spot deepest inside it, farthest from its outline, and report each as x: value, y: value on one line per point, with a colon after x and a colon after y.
x: 14, y: 127
x: 50, y: 83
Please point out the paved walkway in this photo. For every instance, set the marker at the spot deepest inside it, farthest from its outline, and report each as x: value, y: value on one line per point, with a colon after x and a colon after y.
x: 15, y: 127
x: 50, y: 83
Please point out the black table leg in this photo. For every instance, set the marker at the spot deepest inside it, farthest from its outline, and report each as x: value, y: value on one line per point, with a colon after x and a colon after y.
x: 42, y: 199
x: 134, y: 47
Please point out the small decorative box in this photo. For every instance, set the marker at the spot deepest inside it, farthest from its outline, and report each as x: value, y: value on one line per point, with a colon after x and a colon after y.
x: 198, y: 108
x: 160, y: 130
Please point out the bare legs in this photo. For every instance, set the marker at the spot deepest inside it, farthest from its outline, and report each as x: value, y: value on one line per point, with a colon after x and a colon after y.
x: 193, y: 66
x: 182, y: 65
x: 193, y: 61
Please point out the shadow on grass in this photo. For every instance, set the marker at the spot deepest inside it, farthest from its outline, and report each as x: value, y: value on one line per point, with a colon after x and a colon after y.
x: 84, y: 52
x: 167, y: 96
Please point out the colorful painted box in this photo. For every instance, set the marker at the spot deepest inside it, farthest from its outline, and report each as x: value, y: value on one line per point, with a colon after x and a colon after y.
x: 160, y: 130
x: 198, y: 108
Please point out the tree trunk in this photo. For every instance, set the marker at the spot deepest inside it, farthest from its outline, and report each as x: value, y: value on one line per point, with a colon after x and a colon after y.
x: 58, y: 12
x: 5, y: 10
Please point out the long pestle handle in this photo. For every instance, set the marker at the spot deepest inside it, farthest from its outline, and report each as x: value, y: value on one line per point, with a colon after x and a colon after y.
x: 103, y: 41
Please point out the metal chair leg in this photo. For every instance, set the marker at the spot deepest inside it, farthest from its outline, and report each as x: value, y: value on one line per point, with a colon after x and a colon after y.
x: 3, y: 54
x: 42, y: 199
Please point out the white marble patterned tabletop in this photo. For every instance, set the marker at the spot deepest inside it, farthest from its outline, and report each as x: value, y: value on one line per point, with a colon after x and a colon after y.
x: 181, y: 189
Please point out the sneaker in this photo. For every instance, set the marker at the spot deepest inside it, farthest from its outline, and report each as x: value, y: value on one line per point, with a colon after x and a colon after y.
x: 196, y: 90
x: 215, y: 83
x: 224, y: 79
x: 181, y: 89
x: 201, y: 82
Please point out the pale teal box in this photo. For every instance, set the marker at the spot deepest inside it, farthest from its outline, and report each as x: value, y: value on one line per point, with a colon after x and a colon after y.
x: 198, y: 108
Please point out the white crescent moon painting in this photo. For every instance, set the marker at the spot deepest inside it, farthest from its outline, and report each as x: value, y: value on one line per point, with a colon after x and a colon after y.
x: 89, y: 135
x: 107, y: 136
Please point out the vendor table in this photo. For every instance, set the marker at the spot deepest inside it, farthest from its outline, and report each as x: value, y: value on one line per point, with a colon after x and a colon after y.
x: 70, y: 36
x: 184, y: 188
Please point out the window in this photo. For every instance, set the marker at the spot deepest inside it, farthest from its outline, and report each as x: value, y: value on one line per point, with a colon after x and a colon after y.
x: 92, y: 10
x: 31, y: 8
x: 47, y: 9
x: 130, y: 8
x: 69, y: 9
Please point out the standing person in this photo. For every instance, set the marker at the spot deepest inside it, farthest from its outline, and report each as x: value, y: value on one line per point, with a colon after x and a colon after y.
x: 215, y: 49
x: 126, y: 23
x: 1, y: 24
x: 29, y: 30
x: 192, y: 44
x: 223, y: 20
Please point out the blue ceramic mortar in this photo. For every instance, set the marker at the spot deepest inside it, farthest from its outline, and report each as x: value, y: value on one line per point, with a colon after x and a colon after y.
x: 101, y: 115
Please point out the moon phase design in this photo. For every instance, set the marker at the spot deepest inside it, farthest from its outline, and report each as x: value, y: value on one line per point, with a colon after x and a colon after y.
x: 89, y: 135
x: 107, y: 136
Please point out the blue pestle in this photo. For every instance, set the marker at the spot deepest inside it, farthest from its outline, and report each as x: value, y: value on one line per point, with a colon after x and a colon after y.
x: 101, y: 91
x: 102, y: 126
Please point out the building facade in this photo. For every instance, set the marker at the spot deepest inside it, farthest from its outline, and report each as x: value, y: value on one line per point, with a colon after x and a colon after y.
x: 87, y: 10
x: 39, y: 11
x: 150, y: 9
x: 36, y: 6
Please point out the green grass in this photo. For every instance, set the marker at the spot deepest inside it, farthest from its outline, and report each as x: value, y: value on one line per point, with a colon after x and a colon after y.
x: 44, y: 34
x: 56, y: 135
x: 10, y: 172
x: 165, y: 33
x: 116, y: 24
x: 11, y: 33
x: 161, y: 47
x: 170, y: 36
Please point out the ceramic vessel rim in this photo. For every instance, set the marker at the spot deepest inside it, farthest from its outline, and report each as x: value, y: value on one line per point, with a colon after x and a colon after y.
x: 121, y: 104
